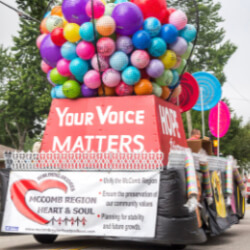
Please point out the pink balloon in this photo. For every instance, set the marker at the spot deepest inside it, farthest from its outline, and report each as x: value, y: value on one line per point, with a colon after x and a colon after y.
x: 45, y: 67
x: 92, y: 79
x: 63, y: 67
x: 98, y: 6
x: 104, y: 62
x: 105, y: 46
x: 178, y: 19
x: 223, y: 122
x: 85, y: 50
x: 111, y: 78
x: 39, y: 40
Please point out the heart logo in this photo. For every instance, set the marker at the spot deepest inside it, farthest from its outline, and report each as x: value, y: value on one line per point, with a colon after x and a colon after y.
x: 19, y: 190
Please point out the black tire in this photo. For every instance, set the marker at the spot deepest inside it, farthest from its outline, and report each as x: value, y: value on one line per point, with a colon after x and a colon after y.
x: 178, y: 247
x: 45, y: 238
x: 248, y: 200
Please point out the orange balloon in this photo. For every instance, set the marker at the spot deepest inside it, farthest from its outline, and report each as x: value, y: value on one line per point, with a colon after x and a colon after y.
x: 176, y: 92
x: 105, y: 26
x: 165, y: 92
x: 43, y: 28
x: 57, y: 11
x: 143, y: 87
x: 108, y: 91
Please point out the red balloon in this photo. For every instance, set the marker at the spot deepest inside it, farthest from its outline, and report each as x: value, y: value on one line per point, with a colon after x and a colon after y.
x: 166, y: 18
x: 152, y: 8
x: 57, y: 37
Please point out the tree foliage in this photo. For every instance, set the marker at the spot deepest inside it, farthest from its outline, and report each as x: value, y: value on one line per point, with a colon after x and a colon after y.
x: 25, y: 99
x: 211, y: 54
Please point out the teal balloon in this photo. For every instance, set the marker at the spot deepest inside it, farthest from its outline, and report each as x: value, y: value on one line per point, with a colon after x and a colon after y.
x: 87, y: 32
x: 157, y: 47
x: 175, y: 78
x: 188, y: 33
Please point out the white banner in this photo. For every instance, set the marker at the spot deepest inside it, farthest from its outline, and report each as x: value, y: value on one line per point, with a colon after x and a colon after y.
x: 120, y: 204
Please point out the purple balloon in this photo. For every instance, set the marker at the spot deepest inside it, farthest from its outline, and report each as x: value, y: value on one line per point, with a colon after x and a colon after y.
x: 155, y: 68
x: 49, y: 80
x: 87, y: 92
x: 74, y: 11
x: 180, y: 46
x: 50, y: 53
x: 125, y: 44
x: 128, y: 18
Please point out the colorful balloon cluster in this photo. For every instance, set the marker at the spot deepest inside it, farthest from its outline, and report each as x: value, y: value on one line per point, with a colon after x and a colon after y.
x: 138, y: 47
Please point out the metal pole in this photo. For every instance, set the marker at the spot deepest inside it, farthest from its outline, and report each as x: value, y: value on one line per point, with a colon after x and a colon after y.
x: 218, y: 130
x: 202, y: 113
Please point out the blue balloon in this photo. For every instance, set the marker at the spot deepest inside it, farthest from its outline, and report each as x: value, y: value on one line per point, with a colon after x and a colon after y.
x: 59, y: 92
x: 53, y: 93
x: 47, y: 14
x: 188, y: 33
x: 119, y: 61
x: 78, y: 67
x: 169, y: 33
x: 131, y: 75
x: 141, y: 39
x: 153, y: 26
x: 157, y: 47
x: 87, y: 32
x: 68, y: 51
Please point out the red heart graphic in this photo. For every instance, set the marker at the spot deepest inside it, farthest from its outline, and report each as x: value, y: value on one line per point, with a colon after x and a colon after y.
x: 20, y: 188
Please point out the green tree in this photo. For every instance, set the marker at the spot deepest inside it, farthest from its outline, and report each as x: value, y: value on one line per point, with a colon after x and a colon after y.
x: 26, y: 99
x: 211, y: 52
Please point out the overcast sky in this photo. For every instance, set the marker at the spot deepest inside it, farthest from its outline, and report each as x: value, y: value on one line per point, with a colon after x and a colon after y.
x: 237, y: 26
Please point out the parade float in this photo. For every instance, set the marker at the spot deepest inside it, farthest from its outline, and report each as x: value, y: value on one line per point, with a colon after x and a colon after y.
x: 114, y: 161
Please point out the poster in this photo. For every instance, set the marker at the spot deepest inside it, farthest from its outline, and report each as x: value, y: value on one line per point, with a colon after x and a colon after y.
x: 122, y: 204
x: 115, y: 125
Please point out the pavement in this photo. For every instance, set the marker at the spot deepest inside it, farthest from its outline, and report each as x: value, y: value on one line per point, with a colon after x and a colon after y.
x: 237, y: 237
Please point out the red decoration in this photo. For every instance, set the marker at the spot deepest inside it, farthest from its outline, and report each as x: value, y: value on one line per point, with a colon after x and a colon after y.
x: 57, y: 37
x: 152, y: 8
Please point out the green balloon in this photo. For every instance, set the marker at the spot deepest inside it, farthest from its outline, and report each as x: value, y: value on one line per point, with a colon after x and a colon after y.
x: 182, y: 66
x: 54, y: 22
x: 71, y: 89
x: 165, y: 79
x: 188, y: 52
x: 157, y: 90
x: 56, y: 77
x: 109, y: 9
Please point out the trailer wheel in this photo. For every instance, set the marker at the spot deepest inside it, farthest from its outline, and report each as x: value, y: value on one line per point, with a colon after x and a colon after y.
x: 178, y: 247
x: 45, y: 238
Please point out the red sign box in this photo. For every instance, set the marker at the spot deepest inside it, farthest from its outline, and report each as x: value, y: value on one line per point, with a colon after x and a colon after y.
x: 113, y: 124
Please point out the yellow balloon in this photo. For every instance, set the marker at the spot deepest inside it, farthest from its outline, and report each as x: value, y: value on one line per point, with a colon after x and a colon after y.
x: 71, y: 32
x: 169, y: 59
x: 103, y: 1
